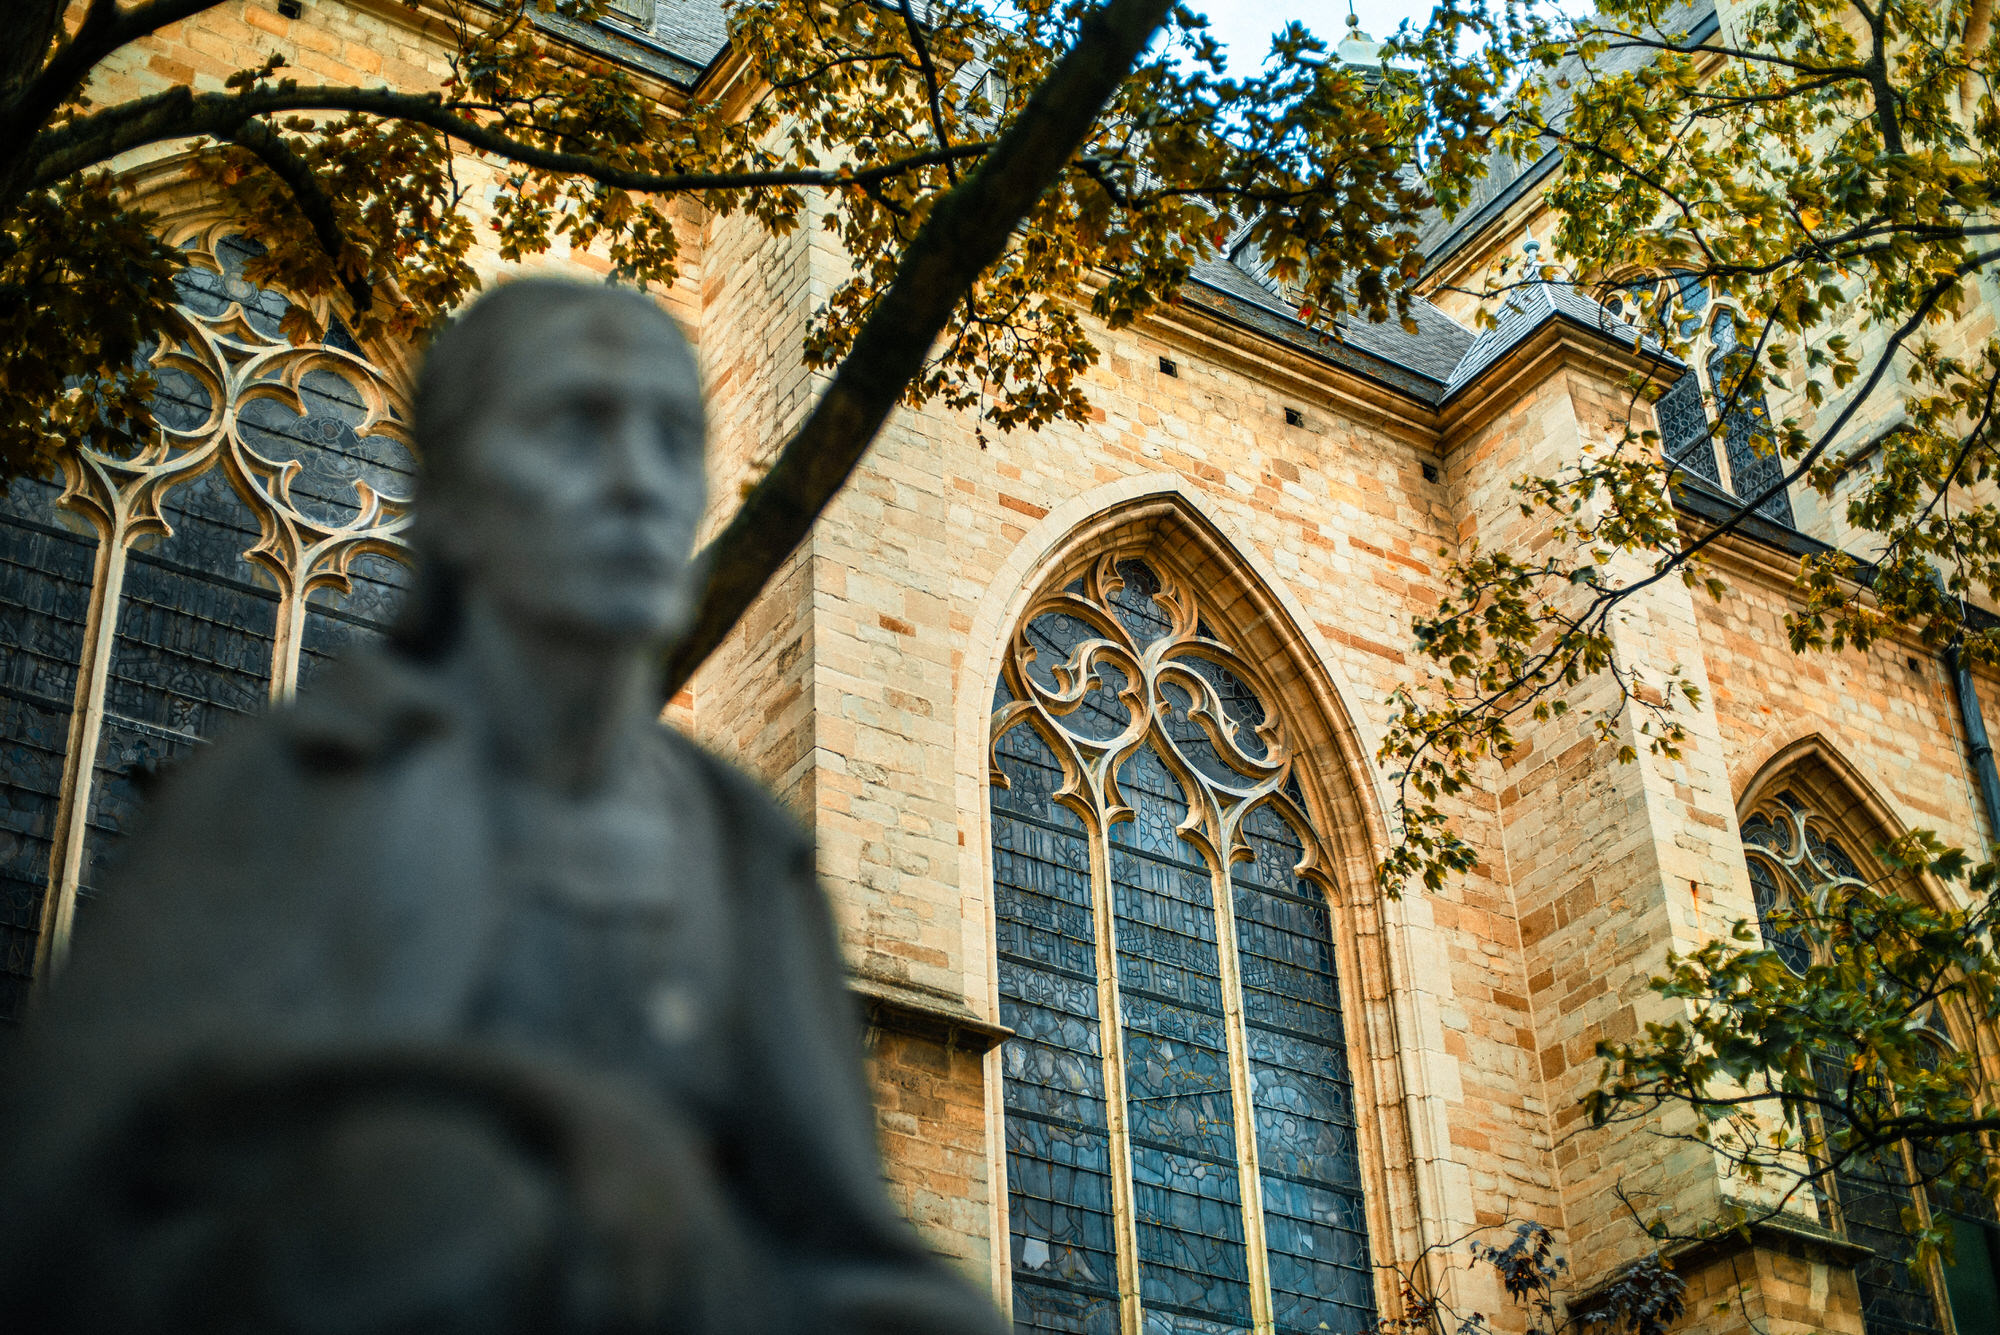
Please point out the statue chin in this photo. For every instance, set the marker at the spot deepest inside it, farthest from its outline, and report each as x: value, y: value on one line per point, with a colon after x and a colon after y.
x: 629, y: 616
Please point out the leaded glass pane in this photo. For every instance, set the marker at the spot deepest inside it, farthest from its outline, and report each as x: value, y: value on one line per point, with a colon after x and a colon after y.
x: 1058, y: 1151
x: 1134, y: 605
x: 1181, y: 1139
x: 1314, y: 1223
x: 1684, y: 433
x: 1789, y: 941
x: 1054, y: 637
x: 1794, y: 862
x: 1746, y: 421
x: 1191, y: 739
x: 266, y: 443
x: 44, y: 598
x: 337, y: 622
x: 325, y: 442
x: 1177, y: 1086
x: 1239, y: 703
x: 193, y: 649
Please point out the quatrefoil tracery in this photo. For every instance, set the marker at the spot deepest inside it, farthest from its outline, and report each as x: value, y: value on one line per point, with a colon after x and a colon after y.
x: 1120, y: 657
x: 311, y: 437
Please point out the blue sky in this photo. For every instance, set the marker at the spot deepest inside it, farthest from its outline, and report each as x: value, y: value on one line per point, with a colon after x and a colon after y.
x: 1244, y: 27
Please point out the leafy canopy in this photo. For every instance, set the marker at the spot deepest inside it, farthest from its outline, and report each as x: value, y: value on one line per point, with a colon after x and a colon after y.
x: 851, y: 115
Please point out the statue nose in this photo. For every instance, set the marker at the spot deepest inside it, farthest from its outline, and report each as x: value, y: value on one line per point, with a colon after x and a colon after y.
x: 639, y: 475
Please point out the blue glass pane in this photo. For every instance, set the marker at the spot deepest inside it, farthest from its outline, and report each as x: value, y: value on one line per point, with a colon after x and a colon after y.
x: 1064, y: 1247
x: 45, y: 574
x: 1186, y: 1191
x: 1101, y: 715
x: 210, y: 294
x: 1190, y: 1224
x: 336, y: 622
x: 1239, y: 703
x: 1192, y: 740
x: 193, y: 649
x: 1746, y: 419
x: 1134, y: 605
x: 1314, y: 1225
x: 1789, y: 942
x: 1829, y: 855
x: 323, y: 440
x: 1054, y: 636
x: 1760, y: 831
x: 1061, y: 1308
x: 180, y: 402
x: 1684, y: 432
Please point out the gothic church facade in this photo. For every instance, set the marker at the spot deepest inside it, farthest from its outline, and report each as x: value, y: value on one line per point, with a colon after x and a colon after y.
x: 1084, y: 724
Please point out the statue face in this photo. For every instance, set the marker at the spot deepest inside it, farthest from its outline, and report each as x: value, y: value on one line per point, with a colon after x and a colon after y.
x: 581, y: 480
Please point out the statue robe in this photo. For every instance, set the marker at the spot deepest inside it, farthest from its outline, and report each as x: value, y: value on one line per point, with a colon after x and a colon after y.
x: 323, y: 881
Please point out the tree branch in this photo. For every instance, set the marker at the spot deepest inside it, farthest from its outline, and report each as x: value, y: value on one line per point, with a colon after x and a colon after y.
x: 966, y: 233
x: 103, y: 31
x: 297, y: 174
x: 930, y: 74
x: 180, y: 114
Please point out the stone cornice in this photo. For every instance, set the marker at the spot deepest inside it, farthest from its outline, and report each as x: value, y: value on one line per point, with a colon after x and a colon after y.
x: 1558, y: 344
x: 920, y: 1012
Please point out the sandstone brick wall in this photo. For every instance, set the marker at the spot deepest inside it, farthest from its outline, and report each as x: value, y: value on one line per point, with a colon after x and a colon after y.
x: 931, y: 1112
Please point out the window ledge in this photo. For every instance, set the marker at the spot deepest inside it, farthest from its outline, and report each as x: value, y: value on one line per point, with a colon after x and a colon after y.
x: 922, y: 1013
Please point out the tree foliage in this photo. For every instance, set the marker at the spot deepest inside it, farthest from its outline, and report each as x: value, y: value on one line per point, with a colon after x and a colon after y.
x: 860, y: 117
x: 1824, y: 171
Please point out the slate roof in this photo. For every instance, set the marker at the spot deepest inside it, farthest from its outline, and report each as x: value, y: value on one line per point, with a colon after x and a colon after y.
x: 1527, y: 309
x: 1419, y: 364
x: 1438, y: 360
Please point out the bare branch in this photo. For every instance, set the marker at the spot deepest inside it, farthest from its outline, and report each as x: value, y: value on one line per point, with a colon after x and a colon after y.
x: 179, y: 114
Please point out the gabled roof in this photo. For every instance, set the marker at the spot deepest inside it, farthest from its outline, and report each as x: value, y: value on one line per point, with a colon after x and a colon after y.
x: 1529, y: 307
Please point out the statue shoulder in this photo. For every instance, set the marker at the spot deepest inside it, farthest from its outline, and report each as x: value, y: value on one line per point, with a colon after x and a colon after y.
x: 751, y: 818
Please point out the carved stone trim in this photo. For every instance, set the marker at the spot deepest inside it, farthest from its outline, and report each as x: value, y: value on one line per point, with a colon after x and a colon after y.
x: 898, y: 1008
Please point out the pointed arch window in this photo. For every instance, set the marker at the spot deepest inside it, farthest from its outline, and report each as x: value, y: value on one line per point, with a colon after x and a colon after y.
x: 1180, y: 1125
x: 190, y: 577
x: 1796, y: 858
x: 1689, y: 432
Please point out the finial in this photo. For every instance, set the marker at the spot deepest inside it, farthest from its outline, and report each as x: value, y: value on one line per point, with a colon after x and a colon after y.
x: 1358, y: 50
x: 1530, y: 247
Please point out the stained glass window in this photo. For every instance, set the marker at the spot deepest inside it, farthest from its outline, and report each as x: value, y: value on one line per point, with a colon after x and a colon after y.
x: 1794, y: 860
x: 1748, y: 437
x: 255, y: 533
x: 1181, y: 1140
x: 1689, y: 436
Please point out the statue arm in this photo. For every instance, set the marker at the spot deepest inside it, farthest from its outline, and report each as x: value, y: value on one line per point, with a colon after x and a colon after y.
x: 813, y: 1167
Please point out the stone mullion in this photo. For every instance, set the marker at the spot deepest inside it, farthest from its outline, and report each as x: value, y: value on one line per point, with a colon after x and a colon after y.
x: 1250, y: 1180
x: 86, y: 729
x: 1111, y: 1026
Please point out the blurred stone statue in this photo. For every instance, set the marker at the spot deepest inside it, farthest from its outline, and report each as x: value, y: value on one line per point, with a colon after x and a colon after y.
x: 463, y: 995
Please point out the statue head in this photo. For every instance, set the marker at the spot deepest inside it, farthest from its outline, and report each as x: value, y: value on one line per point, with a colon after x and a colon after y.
x: 562, y: 433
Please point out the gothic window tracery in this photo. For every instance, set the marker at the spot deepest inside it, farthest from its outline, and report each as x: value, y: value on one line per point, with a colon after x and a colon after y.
x: 1180, y: 1124
x: 1689, y: 432
x: 187, y: 578
x: 1796, y: 859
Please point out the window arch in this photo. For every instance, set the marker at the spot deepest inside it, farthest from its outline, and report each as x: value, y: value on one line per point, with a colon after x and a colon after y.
x: 1180, y: 1122
x: 1797, y: 856
x: 1688, y: 431
x: 185, y: 579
